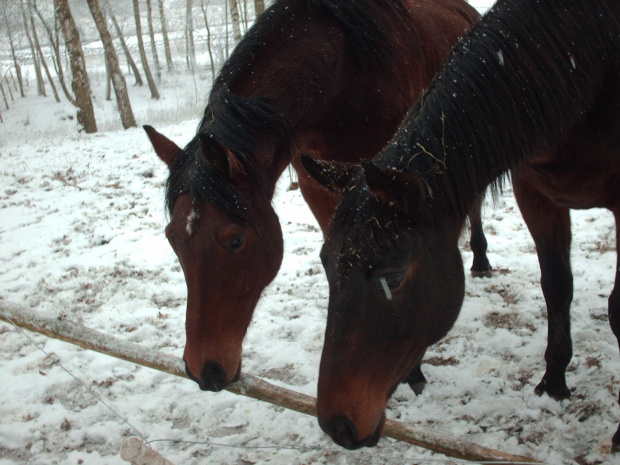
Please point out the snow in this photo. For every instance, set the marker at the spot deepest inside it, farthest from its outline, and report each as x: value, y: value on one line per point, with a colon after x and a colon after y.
x: 82, y: 236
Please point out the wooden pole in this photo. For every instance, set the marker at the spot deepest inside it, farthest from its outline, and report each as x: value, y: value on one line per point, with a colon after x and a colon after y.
x: 248, y: 385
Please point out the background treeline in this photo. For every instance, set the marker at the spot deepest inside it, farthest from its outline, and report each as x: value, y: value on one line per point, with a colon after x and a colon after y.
x: 65, y: 48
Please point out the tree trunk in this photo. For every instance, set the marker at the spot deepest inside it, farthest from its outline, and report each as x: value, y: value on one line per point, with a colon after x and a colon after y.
x: 189, y: 38
x: 203, y: 7
x: 6, y: 100
x: 18, y: 69
x: 226, y: 28
x: 164, y: 32
x: 79, y: 83
x: 145, y: 63
x: 108, y: 83
x: 234, y: 16
x: 55, y: 44
x: 35, y: 61
x: 149, y: 18
x: 119, y: 33
x: 37, y: 45
x: 259, y: 7
x: 114, y: 70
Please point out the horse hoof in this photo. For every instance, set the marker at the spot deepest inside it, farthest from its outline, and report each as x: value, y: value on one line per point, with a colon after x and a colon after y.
x: 418, y: 387
x: 555, y: 392
x: 615, y: 442
x: 482, y: 273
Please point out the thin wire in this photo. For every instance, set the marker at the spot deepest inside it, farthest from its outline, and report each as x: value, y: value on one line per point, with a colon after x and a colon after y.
x: 231, y: 446
x: 91, y: 390
x: 318, y: 448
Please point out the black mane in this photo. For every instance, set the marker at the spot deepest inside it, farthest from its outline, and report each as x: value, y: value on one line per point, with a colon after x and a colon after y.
x: 241, y: 123
x: 518, y: 82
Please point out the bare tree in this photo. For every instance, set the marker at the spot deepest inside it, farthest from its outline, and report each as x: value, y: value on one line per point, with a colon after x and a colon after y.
x: 37, y: 45
x: 234, y: 16
x: 54, y: 41
x: 190, y: 50
x: 114, y: 70
x: 8, y: 15
x: 80, y: 83
x: 149, y: 18
x: 164, y: 32
x: 145, y: 63
x: 259, y: 7
x: 35, y: 60
x: 203, y: 7
x: 119, y: 34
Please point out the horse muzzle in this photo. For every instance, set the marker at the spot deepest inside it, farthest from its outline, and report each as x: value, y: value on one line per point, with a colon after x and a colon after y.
x: 213, y: 377
x: 345, y: 434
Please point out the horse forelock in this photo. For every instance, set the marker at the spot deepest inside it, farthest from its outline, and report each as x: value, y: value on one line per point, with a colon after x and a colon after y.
x: 365, y: 227
x: 192, y: 173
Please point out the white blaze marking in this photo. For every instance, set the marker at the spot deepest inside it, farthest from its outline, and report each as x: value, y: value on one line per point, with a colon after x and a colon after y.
x: 386, y: 288
x: 191, y: 222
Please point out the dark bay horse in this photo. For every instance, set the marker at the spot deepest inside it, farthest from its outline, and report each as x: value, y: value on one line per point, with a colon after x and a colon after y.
x: 330, y: 78
x: 533, y: 88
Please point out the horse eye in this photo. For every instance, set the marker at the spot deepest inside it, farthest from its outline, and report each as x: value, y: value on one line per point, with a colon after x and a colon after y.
x: 393, y: 280
x: 236, y: 242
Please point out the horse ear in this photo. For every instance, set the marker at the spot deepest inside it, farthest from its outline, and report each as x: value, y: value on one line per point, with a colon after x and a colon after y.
x: 395, y: 188
x: 332, y: 175
x: 165, y: 149
x: 223, y: 160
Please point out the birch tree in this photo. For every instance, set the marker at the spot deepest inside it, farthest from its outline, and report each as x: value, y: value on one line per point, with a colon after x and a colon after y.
x: 8, y: 15
x: 234, y: 17
x: 33, y: 52
x: 149, y: 19
x: 114, y: 70
x: 119, y: 34
x: 164, y: 33
x: 190, y: 50
x: 52, y: 37
x: 203, y: 7
x: 145, y: 63
x: 259, y: 7
x: 37, y: 45
x: 79, y: 83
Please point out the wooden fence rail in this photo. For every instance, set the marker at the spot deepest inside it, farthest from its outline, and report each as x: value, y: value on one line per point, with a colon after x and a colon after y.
x: 248, y: 385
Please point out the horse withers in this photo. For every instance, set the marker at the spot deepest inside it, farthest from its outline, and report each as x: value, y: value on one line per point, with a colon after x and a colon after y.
x: 533, y: 88
x: 332, y: 79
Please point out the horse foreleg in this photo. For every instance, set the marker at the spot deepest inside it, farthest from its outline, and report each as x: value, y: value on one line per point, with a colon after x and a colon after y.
x: 614, y: 312
x: 480, y: 266
x: 550, y: 229
x: 416, y: 379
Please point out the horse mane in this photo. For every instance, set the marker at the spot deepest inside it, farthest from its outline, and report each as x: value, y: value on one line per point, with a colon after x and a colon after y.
x: 518, y: 82
x: 240, y: 123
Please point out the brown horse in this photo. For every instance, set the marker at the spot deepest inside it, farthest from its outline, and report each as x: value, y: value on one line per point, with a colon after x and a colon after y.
x: 533, y: 88
x: 332, y: 79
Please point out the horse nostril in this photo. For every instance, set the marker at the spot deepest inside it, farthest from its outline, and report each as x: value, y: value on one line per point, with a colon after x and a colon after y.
x: 343, y: 432
x: 213, y: 377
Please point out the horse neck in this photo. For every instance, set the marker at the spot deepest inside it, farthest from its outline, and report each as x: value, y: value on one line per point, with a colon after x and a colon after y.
x: 512, y: 86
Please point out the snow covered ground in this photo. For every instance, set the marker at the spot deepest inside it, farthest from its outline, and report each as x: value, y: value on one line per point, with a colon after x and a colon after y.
x: 81, y: 235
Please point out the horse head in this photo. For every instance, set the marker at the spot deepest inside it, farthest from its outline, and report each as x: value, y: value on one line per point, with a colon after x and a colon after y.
x: 396, y: 285
x: 229, y: 246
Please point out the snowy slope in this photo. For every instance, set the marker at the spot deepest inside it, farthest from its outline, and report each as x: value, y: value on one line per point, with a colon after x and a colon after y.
x: 81, y: 236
